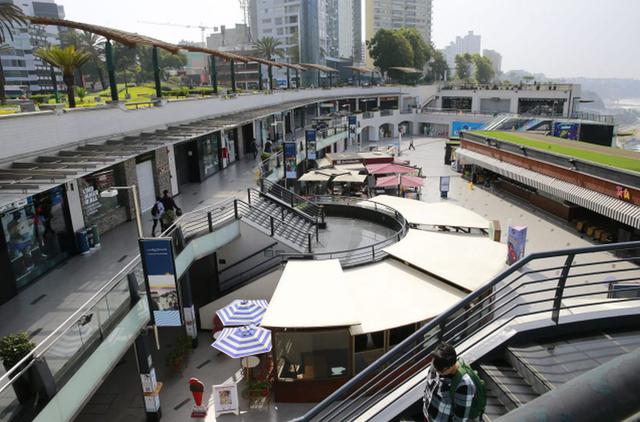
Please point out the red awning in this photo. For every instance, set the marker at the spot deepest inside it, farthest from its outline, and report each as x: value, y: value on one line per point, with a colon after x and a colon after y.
x: 390, y: 168
x: 403, y: 181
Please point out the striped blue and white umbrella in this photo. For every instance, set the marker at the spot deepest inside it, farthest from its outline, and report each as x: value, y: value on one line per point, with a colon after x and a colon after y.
x: 239, y: 342
x: 243, y: 312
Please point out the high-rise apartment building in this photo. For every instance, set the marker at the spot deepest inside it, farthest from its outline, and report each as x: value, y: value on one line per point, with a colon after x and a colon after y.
x: 344, y: 28
x: 395, y: 14
x: 470, y: 43
x: 23, y: 71
x: 496, y: 59
x: 237, y: 38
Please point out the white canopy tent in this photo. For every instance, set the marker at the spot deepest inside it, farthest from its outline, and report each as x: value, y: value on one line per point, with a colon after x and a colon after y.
x: 466, y: 261
x: 433, y: 214
x: 311, y: 294
x: 390, y: 294
x: 314, y: 176
x: 351, y: 177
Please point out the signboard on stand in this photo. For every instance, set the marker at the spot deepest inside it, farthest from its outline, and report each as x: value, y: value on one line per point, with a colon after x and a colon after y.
x: 225, y: 399
x: 159, y: 269
x: 445, y: 181
x: 516, y: 240
x: 290, y: 160
x: 310, y: 144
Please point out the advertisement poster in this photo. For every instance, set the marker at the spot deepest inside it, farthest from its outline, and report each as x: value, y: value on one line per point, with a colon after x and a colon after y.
x: 457, y: 126
x: 290, y: 160
x: 566, y: 130
x: 225, y: 399
x: 517, y: 238
x: 310, y: 142
x: 157, y: 257
x: 444, y: 183
x: 353, y: 120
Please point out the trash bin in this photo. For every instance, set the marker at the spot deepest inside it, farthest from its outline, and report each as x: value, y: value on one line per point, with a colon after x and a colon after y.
x: 96, y: 235
x: 83, y: 241
x: 89, y: 237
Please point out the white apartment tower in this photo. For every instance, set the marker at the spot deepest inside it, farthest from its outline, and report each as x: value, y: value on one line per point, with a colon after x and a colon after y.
x: 470, y: 43
x: 395, y: 14
x: 496, y: 59
x: 344, y: 33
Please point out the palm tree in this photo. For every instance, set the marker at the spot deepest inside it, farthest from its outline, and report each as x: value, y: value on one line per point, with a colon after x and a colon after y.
x: 268, y: 47
x: 94, y: 45
x: 67, y: 59
x: 10, y: 15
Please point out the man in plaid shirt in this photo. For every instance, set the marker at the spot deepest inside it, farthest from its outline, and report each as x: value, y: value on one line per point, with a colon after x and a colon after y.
x: 438, y: 405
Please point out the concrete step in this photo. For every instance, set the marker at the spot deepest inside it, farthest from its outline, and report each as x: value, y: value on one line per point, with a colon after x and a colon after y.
x: 507, y: 385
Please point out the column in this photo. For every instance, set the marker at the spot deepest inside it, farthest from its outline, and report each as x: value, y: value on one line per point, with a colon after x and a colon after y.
x: 232, y: 65
x: 214, y: 74
x: 319, y: 85
x: 111, y: 69
x: 288, y: 78
x: 260, y: 84
x: 270, y: 69
x: 156, y: 71
x: 297, y: 79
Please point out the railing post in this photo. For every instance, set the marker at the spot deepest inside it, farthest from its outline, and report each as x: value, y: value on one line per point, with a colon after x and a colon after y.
x: 562, y: 281
x: 309, y: 241
x: 282, y: 213
x: 317, y: 232
x: 249, y: 195
x: 272, y: 228
x: 262, y: 185
x: 373, y: 252
x: 235, y: 208
x: 210, y: 221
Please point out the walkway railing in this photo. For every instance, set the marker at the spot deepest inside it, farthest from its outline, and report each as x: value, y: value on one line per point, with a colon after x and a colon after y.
x: 551, y: 285
x: 294, y: 200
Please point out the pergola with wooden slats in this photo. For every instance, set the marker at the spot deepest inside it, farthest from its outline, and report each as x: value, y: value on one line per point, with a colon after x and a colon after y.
x: 128, y: 39
x: 406, y: 71
x: 321, y: 69
x: 230, y: 57
x: 360, y: 70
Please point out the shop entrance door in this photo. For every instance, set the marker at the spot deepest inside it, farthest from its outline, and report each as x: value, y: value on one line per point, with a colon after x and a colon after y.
x: 146, y: 187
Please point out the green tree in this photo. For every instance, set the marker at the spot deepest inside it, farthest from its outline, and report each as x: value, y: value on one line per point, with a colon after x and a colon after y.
x: 67, y: 59
x: 268, y: 48
x: 390, y: 49
x: 166, y: 60
x: 484, y: 69
x: 94, y: 45
x: 10, y: 16
x: 464, y: 64
x: 422, y: 52
x: 438, y: 67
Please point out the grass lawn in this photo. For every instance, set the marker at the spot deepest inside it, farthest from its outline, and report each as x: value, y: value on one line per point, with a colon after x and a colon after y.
x: 632, y: 164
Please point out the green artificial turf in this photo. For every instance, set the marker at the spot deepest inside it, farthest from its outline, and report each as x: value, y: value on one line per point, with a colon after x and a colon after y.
x: 625, y: 163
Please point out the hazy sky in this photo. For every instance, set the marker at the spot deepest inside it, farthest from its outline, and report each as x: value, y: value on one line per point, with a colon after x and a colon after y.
x: 592, y: 38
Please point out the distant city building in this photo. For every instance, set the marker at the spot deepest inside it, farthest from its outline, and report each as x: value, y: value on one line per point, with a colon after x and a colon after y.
x: 470, y: 43
x: 496, y: 60
x: 23, y: 71
x: 344, y: 28
x: 395, y: 14
x: 230, y: 38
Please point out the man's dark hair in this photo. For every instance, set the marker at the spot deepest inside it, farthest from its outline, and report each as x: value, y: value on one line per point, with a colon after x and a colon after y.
x: 165, y: 192
x: 444, y: 356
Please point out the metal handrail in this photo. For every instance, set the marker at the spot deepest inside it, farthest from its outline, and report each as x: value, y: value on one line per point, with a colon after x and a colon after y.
x: 43, y: 346
x: 411, y: 355
x: 266, y: 186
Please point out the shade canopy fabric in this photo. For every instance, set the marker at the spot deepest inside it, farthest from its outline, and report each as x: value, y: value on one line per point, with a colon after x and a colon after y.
x: 243, y: 312
x: 314, y: 176
x: 616, y: 209
x: 361, y: 69
x: 322, y: 163
x: 239, y: 342
x: 433, y: 214
x: 465, y: 261
x: 407, y: 70
x: 351, y: 177
x: 222, y: 54
x: 403, y: 181
x: 311, y: 294
x: 390, y: 168
x: 320, y: 67
x: 416, y: 296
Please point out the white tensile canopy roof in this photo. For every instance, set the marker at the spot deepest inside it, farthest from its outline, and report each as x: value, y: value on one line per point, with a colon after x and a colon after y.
x: 314, y: 176
x: 433, y: 214
x: 311, y: 294
x: 466, y: 261
x: 390, y: 294
x: 351, y: 177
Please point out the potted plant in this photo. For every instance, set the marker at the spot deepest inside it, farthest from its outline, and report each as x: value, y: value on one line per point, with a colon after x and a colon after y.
x: 13, y: 348
x: 177, y: 358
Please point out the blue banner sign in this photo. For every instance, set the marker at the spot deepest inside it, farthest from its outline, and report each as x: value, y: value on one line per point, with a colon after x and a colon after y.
x: 310, y: 142
x: 457, y: 126
x: 516, y: 241
x: 290, y: 160
x: 353, y: 120
x: 160, y: 272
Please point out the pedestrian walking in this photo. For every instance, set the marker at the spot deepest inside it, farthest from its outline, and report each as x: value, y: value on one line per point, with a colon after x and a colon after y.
x: 156, y: 213
x: 171, y: 210
x: 454, y: 391
x: 411, y: 146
